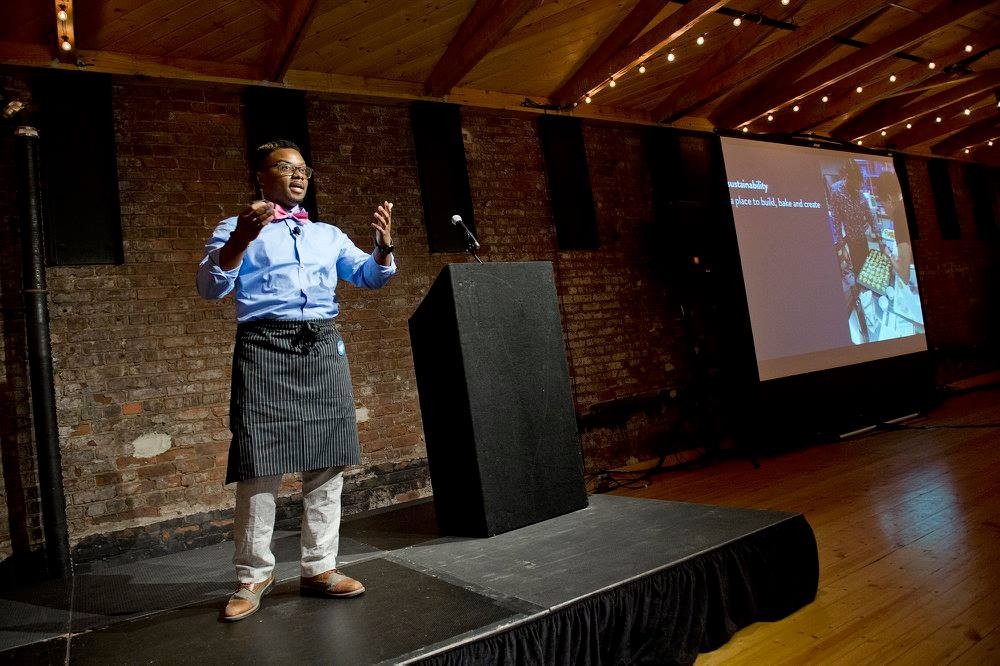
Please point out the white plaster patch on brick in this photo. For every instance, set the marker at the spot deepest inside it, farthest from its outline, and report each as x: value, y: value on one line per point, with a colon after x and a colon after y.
x: 362, y: 414
x: 151, y: 444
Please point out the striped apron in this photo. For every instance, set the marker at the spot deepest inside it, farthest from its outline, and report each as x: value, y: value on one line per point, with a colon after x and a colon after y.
x: 292, y: 404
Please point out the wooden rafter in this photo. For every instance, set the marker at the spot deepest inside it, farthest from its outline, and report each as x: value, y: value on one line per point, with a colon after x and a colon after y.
x: 926, y: 128
x: 773, y: 94
x: 650, y: 43
x: 766, y: 59
x: 486, y: 24
x: 292, y: 27
x: 592, y: 70
x: 895, y: 114
x: 977, y: 132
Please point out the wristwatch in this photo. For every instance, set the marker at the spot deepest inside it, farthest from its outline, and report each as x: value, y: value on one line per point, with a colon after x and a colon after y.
x: 386, y: 250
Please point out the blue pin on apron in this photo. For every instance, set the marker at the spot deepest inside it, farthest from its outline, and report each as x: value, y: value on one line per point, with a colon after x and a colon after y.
x: 341, y: 349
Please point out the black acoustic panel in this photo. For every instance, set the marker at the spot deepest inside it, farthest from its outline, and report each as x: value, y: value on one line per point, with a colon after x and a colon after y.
x: 79, y: 168
x: 903, y: 174
x: 569, y: 182
x: 444, y: 175
x: 502, y: 443
x: 944, y: 199
x: 982, y: 181
x: 278, y: 113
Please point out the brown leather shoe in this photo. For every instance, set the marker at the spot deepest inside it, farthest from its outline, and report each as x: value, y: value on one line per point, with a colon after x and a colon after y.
x: 246, y: 600
x: 330, y: 583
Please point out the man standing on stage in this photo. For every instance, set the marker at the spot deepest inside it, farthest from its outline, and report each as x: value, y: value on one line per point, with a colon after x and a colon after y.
x: 292, y: 404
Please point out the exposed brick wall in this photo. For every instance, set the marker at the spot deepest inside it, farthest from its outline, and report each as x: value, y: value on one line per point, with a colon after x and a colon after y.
x: 143, y: 363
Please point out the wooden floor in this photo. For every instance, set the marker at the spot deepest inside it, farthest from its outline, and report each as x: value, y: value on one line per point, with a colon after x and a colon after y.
x: 908, y: 527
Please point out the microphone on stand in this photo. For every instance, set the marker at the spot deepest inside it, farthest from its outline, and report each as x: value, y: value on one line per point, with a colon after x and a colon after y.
x: 470, y: 241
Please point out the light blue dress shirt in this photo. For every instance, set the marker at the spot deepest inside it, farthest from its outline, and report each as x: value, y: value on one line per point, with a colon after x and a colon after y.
x: 287, y: 275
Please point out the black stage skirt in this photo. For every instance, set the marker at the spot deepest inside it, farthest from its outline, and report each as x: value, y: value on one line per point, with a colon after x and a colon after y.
x: 292, y: 404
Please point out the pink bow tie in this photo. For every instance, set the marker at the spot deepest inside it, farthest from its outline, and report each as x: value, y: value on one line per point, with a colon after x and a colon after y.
x: 281, y: 214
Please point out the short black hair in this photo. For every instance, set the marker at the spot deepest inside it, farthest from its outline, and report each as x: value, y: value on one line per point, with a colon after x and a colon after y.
x: 264, y: 150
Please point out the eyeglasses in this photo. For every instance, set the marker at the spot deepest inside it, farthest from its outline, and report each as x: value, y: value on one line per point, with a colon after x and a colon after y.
x: 287, y: 169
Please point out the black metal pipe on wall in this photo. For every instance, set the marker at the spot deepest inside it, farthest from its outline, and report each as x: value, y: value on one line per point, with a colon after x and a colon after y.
x: 36, y: 314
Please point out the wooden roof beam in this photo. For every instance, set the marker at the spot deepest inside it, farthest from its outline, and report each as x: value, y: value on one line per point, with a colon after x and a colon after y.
x: 649, y: 44
x: 773, y: 94
x: 483, y: 28
x: 591, y: 71
x: 766, y: 59
x: 895, y: 114
x: 285, y: 44
x: 977, y: 132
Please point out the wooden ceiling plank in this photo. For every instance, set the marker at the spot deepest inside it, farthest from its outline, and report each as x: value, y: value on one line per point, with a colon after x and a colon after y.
x: 229, y: 24
x: 772, y: 94
x: 894, y: 113
x: 977, y: 132
x: 288, y: 38
x: 400, y: 44
x: 651, y: 42
x: 766, y: 59
x: 140, y: 22
x: 481, y: 30
x: 591, y: 71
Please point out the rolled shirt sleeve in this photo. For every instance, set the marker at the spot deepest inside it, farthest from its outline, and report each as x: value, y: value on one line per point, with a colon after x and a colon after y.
x: 360, y: 268
x: 213, y: 281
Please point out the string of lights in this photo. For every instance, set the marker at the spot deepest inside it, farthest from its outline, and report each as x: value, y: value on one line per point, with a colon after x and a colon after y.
x: 671, y: 56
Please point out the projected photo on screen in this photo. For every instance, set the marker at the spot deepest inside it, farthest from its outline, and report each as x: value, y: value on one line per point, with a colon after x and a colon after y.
x: 826, y: 256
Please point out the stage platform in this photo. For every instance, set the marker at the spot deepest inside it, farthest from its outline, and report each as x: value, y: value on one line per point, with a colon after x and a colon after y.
x: 624, y: 580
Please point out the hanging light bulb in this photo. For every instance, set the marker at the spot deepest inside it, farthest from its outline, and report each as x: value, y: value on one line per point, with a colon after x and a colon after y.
x: 700, y: 40
x: 968, y: 112
x: 65, y: 45
x: 966, y: 151
x: 892, y: 78
x: 858, y: 90
x: 611, y: 83
x: 770, y: 117
x: 737, y: 21
x: 746, y: 129
x: 931, y: 65
x: 795, y: 108
x: 990, y: 142
x: 587, y: 99
x: 826, y: 99
x: 671, y: 57
x: 909, y: 125
x: 938, y: 119
x: 968, y: 48
x: 642, y: 69
x: 61, y: 14
x: 859, y: 142
x: 785, y: 2
x: 884, y: 132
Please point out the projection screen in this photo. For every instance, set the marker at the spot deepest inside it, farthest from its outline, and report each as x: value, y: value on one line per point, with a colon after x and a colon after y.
x: 826, y: 256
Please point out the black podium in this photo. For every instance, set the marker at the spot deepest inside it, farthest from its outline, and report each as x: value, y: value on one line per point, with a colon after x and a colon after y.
x: 502, y: 442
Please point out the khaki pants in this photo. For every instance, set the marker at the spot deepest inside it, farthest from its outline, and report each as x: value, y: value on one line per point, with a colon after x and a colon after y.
x: 254, y: 523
